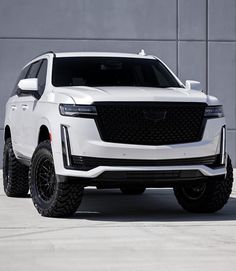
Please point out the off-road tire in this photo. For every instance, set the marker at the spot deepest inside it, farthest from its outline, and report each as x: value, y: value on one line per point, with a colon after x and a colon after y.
x: 215, y: 196
x: 66, y: 197
x: 132, y: 190
x: 15, y: 175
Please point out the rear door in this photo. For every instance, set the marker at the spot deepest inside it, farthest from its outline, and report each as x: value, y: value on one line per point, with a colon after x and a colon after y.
x: 13, y: 112
x: 25, y: 104
x: 30, y: 108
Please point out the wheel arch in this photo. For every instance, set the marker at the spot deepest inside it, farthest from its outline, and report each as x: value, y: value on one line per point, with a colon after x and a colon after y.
x: 7, y: 132
x: 44, y: 133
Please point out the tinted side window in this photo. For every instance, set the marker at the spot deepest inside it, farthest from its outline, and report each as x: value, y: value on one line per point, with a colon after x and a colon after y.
x: 33, y: 71
x: 42, y: 77
x: 21, y: 76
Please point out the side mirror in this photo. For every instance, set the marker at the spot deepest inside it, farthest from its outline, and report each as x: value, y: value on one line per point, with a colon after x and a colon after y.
x: 193, y: 85
x: 29, y: 86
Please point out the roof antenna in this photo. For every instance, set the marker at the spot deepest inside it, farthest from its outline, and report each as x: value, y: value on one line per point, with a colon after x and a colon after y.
x: 142, y: 53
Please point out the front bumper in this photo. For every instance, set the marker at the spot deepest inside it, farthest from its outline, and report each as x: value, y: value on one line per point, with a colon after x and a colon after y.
x: 161, y: 177
x: 80, y: 136
x: 94, y: 173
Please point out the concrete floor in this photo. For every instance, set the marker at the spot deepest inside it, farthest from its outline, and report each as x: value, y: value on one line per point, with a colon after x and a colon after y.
x: 116, y: 232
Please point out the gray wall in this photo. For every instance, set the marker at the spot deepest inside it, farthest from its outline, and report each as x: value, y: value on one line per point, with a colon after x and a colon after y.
x: 196, y: 38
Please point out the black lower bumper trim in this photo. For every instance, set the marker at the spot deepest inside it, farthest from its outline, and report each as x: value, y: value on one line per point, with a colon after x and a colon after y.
x: 87, y: 163
x: 115, y: 179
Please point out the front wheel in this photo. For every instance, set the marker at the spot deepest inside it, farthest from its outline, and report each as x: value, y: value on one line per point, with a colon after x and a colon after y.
x: 51, y: 198
x: 206, y: 197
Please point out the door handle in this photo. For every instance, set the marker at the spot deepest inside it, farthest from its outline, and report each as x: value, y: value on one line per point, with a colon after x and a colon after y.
x: 13, y: 107
x: 24, y: 106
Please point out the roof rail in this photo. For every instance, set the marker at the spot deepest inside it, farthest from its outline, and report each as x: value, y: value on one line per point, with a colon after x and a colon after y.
x: 47, y: 52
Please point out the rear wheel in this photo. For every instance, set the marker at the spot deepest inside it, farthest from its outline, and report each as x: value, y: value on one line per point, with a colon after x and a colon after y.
x: 206, y: 197
x: 15, y: 175
x: 132, y: 190
x: 51, y: 198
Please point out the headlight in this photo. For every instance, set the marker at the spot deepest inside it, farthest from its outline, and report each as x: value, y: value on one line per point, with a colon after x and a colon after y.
x: 84, y: 111
x: 215, y: 111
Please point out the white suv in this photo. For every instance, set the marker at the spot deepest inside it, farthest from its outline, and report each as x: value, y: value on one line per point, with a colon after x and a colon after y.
x: 112, y: 120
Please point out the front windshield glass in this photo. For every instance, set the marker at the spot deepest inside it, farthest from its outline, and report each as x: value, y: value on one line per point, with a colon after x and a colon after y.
x: 111, y: 71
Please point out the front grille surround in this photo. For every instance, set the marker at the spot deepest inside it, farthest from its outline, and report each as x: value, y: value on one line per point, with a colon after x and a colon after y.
x: 150, y: 123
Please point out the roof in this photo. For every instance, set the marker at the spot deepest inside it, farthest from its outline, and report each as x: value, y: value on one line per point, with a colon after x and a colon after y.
x: 101, y: 54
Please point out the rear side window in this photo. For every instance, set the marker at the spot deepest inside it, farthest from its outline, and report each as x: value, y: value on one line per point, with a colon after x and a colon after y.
x: 35, y: 70
x: 42, y: 74
x: 21, y: 76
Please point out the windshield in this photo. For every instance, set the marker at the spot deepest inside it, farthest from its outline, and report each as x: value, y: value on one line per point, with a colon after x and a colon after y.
x: 111, y: 71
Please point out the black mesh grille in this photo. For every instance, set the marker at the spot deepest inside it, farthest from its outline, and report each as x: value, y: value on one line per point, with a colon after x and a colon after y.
x: 150, y: 123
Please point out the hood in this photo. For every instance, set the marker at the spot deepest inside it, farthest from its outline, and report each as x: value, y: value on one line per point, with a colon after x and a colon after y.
x: 88, y: 95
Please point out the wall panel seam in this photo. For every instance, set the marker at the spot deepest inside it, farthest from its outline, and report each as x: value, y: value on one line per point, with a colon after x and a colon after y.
x: 207, y: 36
x: 111, y: 39
x: 177, y: 37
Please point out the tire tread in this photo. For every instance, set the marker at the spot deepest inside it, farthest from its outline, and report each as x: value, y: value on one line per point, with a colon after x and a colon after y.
x: 18, y: 184
x: 217, y: 196
x: 68, y: 195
